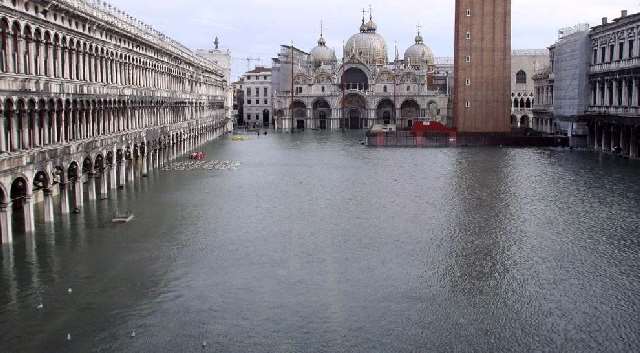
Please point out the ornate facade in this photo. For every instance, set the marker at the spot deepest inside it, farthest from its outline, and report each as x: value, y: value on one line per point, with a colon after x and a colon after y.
x: 318, y: 91
x: 90, y: 97
x: 614, y: 77
x: 524, y: 65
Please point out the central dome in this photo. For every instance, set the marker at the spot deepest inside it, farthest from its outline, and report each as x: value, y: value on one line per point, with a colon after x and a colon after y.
x: 367, y: 45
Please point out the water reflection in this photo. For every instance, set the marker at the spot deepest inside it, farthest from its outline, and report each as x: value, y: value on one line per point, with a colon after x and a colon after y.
x: 318, y: 244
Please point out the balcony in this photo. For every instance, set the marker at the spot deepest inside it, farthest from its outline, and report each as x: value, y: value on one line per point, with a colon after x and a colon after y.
x: 617, y: 65
x: 615, y: 110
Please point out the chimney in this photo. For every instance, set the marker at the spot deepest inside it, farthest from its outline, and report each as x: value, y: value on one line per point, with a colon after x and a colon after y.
x: 604, y: 21
x: 624, y: 13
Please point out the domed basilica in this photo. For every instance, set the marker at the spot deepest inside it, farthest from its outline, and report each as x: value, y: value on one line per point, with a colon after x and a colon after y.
x: 363, y: 89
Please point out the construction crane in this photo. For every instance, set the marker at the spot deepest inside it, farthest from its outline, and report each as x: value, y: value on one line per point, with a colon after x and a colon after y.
x: 249, y: 60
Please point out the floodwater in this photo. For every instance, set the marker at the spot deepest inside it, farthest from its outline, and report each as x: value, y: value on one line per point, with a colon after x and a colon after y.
x: 318, y: 244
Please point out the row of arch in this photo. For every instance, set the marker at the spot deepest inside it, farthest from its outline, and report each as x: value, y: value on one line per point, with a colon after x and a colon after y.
x: 30, y: 50
x: 97, y: 172
x: 523, y: 103
x: 30, y: 122
x: 355, y: 111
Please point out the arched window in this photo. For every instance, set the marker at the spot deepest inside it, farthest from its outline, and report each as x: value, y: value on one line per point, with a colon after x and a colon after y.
x: 521, y: 77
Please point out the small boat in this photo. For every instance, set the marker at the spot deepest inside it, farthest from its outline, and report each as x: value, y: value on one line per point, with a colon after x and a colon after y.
x: 124, y: 218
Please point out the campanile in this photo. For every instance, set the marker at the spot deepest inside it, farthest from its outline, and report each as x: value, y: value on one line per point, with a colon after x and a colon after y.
x: 482, y: 102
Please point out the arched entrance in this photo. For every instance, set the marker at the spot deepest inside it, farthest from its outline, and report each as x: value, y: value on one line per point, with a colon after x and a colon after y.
x: 385, y: 112
x: 355, y: 111
x: 409, y: 111
x: 321, y: 112
x: 524, y: 121
x: 266, y: 118
x: 22, y: 210
x: 299, y: 111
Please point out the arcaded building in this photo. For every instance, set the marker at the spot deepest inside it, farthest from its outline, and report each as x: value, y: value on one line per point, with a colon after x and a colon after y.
x: 363, y: 89
x: 91, y: 98
x: 614, y: 77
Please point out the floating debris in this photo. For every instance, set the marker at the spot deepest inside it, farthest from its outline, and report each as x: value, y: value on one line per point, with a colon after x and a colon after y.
x: 133, y: 333
x: 189, y: 165
x: 68, y: 337
x: 239, y: 138
x: 40, y: 306
x: 69, y: 290
x: 204, y: 344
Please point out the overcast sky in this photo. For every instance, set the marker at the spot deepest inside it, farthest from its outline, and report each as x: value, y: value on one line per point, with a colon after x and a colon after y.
x: 256, y: 28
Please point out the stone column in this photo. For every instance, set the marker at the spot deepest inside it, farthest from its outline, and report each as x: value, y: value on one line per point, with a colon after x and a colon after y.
x: 145, y: 164
x: 79, y: 199
x: 5, y: 223
x: 50, y: 67
x: 48, y: 206
x: 634, y: 95
x: 103, y: 186
x: 91, y: 186
x: 121, y: 175
x: 604, y: 139
x: 21, y: 50
x: 32, y: 57
x: 45, y: 128
x: 625, y: 93
x: 633, y: 148
x: 44, y: 52
x: 606, y: 93
x: 27, y: 208
x: 64, y: 199
x: 612, y: 137
x: 595, y: 137
x: 113, y: 183
x: 36, y: 128
x: 615, y: 93
x: 130, y: 170
x: 622, y: 143
x: 3, y: 132
x: 26, y: 143
x: 54, y: 128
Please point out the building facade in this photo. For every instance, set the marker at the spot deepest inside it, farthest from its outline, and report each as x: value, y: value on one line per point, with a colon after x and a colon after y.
x: 524, y: 65
x: 482, y: 66
x: 317, y: 91
x: 258, y: 103
x: 614, y: 76
x: 92, y: 97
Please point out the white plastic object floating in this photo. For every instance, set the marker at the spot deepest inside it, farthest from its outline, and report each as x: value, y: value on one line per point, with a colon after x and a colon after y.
x: 69, y: 290
x: 133, y: 333
x: 40, y: 306
x: 204, y: 344
x: 68, y: 337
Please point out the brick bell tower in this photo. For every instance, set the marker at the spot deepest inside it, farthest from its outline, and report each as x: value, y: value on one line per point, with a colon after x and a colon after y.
x: 482, y: 93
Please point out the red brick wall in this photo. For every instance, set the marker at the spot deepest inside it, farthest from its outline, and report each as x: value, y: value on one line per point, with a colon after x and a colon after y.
x: 489, y: 69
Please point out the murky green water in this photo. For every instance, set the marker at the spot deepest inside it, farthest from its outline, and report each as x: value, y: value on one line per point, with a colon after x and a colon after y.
x: 318, y: 244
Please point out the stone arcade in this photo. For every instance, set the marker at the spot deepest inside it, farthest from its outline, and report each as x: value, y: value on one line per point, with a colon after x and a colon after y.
x: 92, y: 98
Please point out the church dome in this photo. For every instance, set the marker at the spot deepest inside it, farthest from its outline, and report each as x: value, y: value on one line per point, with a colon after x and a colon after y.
x: 322, y: 55
x: 367, y: 45
x: 419, y: 53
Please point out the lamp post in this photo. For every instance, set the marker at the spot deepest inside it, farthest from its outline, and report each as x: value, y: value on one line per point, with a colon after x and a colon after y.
x: 291, y: 103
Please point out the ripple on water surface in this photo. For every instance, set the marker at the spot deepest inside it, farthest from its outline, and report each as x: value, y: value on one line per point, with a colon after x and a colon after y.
x: 318, y: 244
